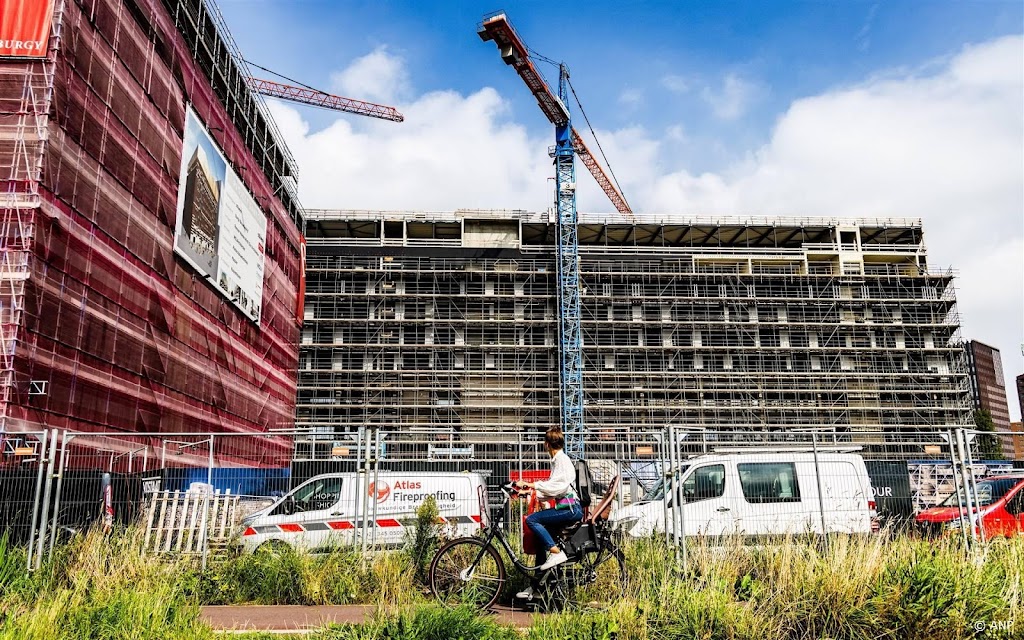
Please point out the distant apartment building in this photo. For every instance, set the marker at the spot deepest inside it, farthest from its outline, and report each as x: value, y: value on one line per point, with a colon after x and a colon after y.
x: 988, y: 387
x: 447, y: 322
x: 1018, y: 441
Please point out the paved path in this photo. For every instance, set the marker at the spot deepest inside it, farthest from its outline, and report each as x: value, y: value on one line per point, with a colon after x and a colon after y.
x: 299, y: 618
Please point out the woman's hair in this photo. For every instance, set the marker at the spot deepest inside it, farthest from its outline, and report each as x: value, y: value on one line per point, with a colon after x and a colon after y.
x: 554, y: 439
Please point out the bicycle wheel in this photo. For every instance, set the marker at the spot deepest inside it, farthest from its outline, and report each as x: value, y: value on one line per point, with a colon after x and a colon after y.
x: 455, y: 579
x: 608, y: 578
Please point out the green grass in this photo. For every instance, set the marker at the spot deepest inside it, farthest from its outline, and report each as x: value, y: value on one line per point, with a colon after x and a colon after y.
x: 852, y: 589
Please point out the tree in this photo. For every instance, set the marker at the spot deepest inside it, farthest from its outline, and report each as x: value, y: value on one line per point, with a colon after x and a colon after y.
x: 989, y: 447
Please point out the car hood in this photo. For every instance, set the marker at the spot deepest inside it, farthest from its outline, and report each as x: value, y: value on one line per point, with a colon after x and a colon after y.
x: 941, y: 514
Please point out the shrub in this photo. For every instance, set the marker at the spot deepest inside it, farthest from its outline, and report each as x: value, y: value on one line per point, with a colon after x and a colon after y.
x: 425, y: 536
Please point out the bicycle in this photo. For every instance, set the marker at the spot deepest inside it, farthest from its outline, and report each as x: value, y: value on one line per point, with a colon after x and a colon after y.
x: 470, y: 570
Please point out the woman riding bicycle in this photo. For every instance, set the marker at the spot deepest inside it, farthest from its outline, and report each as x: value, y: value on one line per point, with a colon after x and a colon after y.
x: 567, y: 508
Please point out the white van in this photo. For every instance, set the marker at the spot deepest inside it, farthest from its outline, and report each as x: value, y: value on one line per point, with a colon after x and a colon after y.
x: 757, y: 494
x: 327, y: 510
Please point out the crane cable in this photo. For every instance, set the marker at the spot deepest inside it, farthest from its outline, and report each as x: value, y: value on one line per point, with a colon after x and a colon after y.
x: 543, y: 58
x: 599, y: 148
x: 281, y: 75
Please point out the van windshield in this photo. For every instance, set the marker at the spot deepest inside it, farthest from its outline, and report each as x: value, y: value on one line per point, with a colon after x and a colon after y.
x: 658, y: 491
x: 989, y: 491
x: 319, y: 494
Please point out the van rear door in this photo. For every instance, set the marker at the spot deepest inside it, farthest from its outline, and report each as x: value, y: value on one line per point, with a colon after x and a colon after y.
x: 846, y: 492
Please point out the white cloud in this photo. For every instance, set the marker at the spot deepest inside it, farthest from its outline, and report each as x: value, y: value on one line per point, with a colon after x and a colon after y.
x: 942, y: 144
x: 631, y: 98
x: 675, y: 83
x: 452, y: 151
x: 733, y: 98
x: 379, y: 76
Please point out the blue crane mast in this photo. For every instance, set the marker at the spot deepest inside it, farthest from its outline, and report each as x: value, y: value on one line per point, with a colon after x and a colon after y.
x: 568, y: 145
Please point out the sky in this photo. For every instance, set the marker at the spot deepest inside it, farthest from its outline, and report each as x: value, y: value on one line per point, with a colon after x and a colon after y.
x: 901, y: 109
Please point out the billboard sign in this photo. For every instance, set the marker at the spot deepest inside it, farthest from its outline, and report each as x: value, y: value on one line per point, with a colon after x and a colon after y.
x: 220, y: 229
x: 25, y: 28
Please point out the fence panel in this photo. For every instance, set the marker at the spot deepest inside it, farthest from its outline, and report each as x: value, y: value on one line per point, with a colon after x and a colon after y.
x: 23, y: 474
x: 318, y: 489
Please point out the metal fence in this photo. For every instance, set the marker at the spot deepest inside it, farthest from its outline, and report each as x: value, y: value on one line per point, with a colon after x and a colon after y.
x: 195, y: 492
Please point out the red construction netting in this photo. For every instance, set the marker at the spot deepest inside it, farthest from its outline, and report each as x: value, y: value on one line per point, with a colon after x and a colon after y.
x: 123, y: 333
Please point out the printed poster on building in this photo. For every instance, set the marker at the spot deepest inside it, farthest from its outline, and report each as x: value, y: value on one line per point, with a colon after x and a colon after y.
x: 220, y: 231
x: 25, y: 28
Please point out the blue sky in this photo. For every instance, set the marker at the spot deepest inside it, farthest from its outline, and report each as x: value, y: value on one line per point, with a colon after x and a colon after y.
x: 660, y: 64
x: 836, y: 109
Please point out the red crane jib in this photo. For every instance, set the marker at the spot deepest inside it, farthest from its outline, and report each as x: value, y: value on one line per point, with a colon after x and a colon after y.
x: 583, y: 153
x: 316, y: 98
x: 515, y: 53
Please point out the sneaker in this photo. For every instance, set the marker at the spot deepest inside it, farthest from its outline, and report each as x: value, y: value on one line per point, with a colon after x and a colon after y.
x: 554, y: 560
x: 525, y: 594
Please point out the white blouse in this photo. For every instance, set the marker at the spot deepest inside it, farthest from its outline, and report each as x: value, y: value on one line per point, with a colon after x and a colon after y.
x: 563, y: 474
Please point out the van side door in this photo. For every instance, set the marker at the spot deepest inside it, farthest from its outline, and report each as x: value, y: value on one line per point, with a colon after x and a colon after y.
x: 772, y: 502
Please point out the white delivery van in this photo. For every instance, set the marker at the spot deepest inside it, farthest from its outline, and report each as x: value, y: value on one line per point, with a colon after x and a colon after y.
x: 327, y: 510
x: 759, y: 494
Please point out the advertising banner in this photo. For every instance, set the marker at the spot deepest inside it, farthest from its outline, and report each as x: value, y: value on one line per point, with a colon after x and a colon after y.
x: 220, y: 230
x: 25, y: 28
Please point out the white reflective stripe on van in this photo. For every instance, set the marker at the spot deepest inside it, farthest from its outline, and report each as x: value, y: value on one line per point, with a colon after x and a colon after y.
x: 341, y: 525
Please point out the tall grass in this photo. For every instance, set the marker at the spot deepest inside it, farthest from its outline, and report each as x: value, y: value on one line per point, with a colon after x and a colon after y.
x: 98, y: 587
x: 101, y: 586
x: 850, y: 589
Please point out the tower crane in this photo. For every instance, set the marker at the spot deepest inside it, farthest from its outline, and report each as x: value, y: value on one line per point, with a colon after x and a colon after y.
x: 310, y: 96
x: 568, y: 144
x: 306, y: 94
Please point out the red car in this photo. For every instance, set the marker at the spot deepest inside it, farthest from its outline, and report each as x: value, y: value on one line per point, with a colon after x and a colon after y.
x: 1000, y: 502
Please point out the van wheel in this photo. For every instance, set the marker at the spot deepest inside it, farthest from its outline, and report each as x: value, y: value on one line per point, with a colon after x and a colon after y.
x: 274, y: 547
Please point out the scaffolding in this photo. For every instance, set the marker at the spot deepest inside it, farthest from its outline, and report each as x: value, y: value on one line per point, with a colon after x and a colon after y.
x: 104, y: 328
x: 448, y: 322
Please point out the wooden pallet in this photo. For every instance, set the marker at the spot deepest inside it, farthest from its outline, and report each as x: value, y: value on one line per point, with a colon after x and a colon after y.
x: 189, y: 522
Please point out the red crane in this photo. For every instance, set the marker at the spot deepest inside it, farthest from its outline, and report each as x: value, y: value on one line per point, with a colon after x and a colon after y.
x: 310, y: 96
x: 515, y: 53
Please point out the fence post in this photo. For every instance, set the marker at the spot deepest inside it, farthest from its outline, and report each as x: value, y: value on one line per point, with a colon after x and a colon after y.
x: 817, y: 478
x: 974, y: 483
x: 666, y: 464
x: 43, y: 441
x: 960, y: 491
x: 376, y: 479
x: 65, y: 438
x: 367, y: 433
x: 360, y: 489
x: 968, y: 475
x: 50, y: 460
x: 209, y: 471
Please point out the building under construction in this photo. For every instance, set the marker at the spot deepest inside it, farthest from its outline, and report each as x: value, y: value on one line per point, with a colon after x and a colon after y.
x: 105, y: 325
x: 447, y: 322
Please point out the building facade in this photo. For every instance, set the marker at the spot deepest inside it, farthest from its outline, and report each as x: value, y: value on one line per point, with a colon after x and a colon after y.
x: 447, y: 322
x: 105, y: 327
x: 988, y: 387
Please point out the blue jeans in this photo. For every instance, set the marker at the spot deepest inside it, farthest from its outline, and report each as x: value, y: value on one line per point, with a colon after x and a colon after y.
x: 539, y: 521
